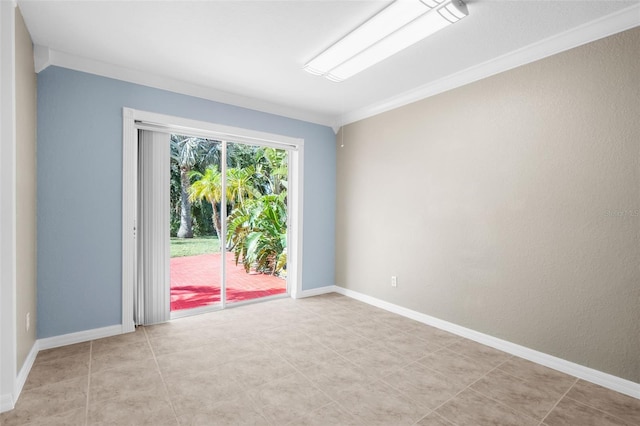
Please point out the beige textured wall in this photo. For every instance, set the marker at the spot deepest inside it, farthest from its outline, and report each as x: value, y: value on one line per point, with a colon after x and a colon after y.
x: 509, y: 206
x: 25, y: 190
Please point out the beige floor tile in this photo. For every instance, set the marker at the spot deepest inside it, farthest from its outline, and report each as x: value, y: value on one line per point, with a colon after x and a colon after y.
x: 400, y: 322
x: 188, y: 339
x: 108, y: 343
x: 239, y: 411
x: 538, y: 375
x: 470, y: 408
x: 408, y: 345
x: 148, y: 407
x: 76, y: 417
x: 57, y: 369
x: 614, y: 403
x: 533, y: 400
x: 340, y: 340
x: 305, y: 354
x: 120, y: 355
x: 372, y: 330
x: 479, y: 353
x: 124, y: 381
x: 288, y: 398
x: 345, y: 316
x: 236, y: 347
x: 377, y: 360
x: 432, y: 334
x: 191, y: 390
x: 434, y: 419
x: 213, y: 351
x: 167, y: 329
x: 573, y: 413
x: 195, y: 359
x: 329, y: 415
x: 456, y: 367
x: 64, y: 351
x: 336, y: 375
x: 380, y: 404
x: 256, y: 370
x: 252, y: 324
x: 281, y: 336
x: 423, y: 385
x: 47, y: 400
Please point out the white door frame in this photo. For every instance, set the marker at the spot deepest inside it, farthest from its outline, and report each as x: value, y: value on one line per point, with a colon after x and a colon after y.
x: 211, y: 131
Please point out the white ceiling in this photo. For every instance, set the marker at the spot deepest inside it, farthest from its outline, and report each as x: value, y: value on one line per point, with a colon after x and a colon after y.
x: 251, y: 53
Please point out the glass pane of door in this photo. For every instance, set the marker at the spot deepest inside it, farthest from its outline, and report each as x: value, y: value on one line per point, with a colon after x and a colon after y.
x: 196, y: 241
x: 256, y: 222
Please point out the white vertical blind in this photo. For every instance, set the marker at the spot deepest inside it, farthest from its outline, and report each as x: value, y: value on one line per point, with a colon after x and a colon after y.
x: 152, y: 296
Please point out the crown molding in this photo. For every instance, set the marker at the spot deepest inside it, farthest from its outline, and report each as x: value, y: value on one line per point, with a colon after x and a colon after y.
x: 45, y: 57
x: 607, y: 25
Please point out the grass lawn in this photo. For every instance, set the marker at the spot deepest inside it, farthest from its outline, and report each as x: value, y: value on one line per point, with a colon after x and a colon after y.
x: 194, y: 246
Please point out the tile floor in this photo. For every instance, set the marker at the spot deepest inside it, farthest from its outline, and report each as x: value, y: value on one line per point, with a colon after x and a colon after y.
x: 326, y: 360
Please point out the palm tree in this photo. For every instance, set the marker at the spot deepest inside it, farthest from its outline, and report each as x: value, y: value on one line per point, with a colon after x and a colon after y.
x: 188, y: 152
x: 241, y: 185
x: 257, y: 221
x: 208, y: 186
x: 273, y: 168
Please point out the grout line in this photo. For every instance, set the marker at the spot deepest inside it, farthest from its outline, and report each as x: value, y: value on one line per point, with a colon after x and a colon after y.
x: 166, y: 388
x: 449, y: 422
x: 558, y: 401
x: 497, y: 367
x: 468, y: 387
x: 595, y: 408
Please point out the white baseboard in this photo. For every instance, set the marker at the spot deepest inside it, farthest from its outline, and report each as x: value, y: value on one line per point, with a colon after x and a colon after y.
x: 316, y: 291
x: 26, y: 368
x: 606, y: 380
x: 6, y: 403
x: 79, y: 337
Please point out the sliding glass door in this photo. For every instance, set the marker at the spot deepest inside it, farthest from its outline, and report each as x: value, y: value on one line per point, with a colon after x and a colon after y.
x: 231, y: 197
x: 228, y: 223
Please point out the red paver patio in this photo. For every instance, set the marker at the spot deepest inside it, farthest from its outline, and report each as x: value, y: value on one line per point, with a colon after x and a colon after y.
x: 195, y: 281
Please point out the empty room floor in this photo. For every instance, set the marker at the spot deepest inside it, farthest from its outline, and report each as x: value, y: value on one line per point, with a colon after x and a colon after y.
x: 325, y: 360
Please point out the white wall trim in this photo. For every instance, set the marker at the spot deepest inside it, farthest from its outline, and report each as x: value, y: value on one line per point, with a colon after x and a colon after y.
x: 609, y: 381
x: 6, y: 402
x: 295, y: 214
x: 129, y: 216
x: 79, y: 337
x: 8, y: 343
x: 608, y: 25
x: 91, y: 66
x: 317, y: 291
x: 26, y: 368
x: 218, y: 132
x: 41, y: 57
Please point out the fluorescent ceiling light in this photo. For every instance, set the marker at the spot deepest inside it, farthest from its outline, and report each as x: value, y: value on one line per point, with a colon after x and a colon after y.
x: 400, y: 25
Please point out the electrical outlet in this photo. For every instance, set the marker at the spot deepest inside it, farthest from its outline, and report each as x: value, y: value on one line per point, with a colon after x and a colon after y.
x: 28, y: 320
x: 394, y: 281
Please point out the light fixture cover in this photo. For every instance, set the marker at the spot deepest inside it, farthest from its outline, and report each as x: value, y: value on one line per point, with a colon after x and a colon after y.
x: 398, y: 26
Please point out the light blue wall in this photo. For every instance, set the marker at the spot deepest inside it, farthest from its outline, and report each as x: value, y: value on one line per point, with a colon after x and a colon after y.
x: 80, y: 191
